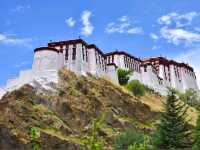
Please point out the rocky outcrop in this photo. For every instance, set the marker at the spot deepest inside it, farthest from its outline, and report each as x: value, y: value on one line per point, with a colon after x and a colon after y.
x: 64, y: 115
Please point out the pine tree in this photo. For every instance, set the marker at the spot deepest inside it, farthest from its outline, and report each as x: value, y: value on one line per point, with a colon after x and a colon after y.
x: 173, y: 130
x: 197, y: 136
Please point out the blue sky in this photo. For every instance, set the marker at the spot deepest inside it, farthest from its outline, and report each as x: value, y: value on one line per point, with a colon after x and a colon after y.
x: 144, y: 28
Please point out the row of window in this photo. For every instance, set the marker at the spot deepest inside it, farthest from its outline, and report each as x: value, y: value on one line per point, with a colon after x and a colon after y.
x: 73, y: 53
x: 100, y: 60
x: 131, y: 63
x: 191, y: 73
x: 167, y: 73
x: 84, y: 53
x: 153, y: 69
x: 110, y: 59
x: 177, y: 72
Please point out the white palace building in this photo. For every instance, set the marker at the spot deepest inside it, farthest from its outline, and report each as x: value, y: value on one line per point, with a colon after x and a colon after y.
x: 80, y: 57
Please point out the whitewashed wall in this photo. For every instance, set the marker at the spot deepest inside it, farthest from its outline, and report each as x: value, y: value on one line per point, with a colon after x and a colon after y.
x: 188, y: 81
x: 12, y: 84
x: 175, y: 81
x: 92, y: 61
x: 94, y: 67
x: 136, y: 76
x: 2, y: 92
x: 45, y: 60
x: 111, y: 73
x: 150, y: 78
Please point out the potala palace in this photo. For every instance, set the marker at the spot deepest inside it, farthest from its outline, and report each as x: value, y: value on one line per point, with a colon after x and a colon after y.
x: 77, y: 55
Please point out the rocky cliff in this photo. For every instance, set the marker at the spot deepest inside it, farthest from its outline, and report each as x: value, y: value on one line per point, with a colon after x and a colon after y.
x: 64, y: 116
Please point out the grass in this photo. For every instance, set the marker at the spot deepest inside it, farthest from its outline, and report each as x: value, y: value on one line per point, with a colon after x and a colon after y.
x: 63, y: 137
x: 156, y: 104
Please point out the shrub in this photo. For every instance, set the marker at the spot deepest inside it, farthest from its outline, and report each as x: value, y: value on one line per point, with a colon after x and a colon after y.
x: 34, y: 134
x: 128, y: 139
x: 137, y: 147
x: 136, y: 88
x: 123, y: 76
x: 94, y: 142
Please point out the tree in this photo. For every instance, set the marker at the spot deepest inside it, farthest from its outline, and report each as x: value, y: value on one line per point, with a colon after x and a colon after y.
x: 196, y: 145
x: 123, y: 76
x: 173, y: 130
x: 136, y: 88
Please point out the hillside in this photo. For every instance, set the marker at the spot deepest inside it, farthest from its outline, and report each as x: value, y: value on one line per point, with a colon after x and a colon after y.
x: 64, y: 117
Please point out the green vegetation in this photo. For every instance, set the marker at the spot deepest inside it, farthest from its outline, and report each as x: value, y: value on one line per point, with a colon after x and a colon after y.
x: 94, y: 142
x: 123, y: 76
x: 173, y: 130
x: 34, y: 134
x: 130, y: 140
x: 136, y: 88
x: 196, y: 145
x: 66, y: 118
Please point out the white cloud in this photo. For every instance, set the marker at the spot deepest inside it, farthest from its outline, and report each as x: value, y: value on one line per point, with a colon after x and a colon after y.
x: 87, y: 28
x: 155, y: 47
x: 177, y: 28
x: 24, y: 63
x: 124, y: 19
x: 6, y: 39
x: 192, y: 57
x: 154, y: 36
x: 123, y: 25
x: 180, y: 20
x: 20, y: 8
x: 178, y: 36
x: 70, y: 22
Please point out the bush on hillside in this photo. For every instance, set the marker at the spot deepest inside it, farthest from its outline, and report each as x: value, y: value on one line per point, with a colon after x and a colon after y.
x: 137, y: 88
x: 94, y: 142
x: 123, y: 76
x: 34, y: 134
x: 128, y: 140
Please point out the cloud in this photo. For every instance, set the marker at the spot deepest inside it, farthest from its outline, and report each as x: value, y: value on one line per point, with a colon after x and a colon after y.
x: 178, y: 36
x: 192, y: 57
x: 177, y: 29
x: 24, y: 63
x: 123, y: 25
x: 180, y: 20
x: 154, y: 36
x: 6, y: 39
x: 155, y: 47
x: 87, y: 28
x: 20, y: 8
x: 124, y: 19
x: 70, y: 22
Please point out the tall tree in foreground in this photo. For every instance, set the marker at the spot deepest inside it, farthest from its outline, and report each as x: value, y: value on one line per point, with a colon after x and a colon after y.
x: 173, y: 131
